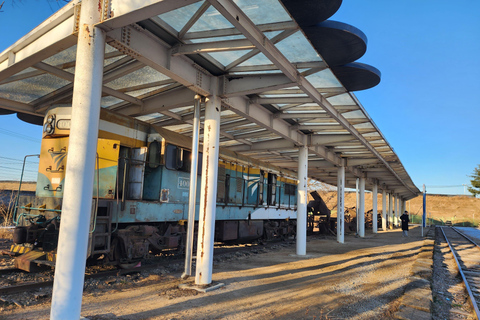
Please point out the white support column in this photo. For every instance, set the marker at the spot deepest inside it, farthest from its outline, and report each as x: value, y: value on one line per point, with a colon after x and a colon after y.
x: 384, y: 209
x: 390, y: 210
x: 82, y: 150
x: 192, y: 197
x: 361, y: 211
x: 357, y: 198
x: 302, y: 201
x: 396, y: 210
x: 208, y: 195
x: 374, y: 207
x: 341, y: 204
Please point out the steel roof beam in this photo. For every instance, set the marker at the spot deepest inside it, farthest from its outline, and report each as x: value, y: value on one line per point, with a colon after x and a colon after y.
x: 279, y: 37
x: 132, y: 11
x: 207, y: 47
x: 327, y: 139
x: 301, y: 115
x: 69, y: 77
x: 172, y: 99
x: 144, y: 47
x: 239, y: 20
x: 197, y: 15
x: 269, y: 67
x: 240, y: 85
x: 274, y: 144
x: 41, y: 43
x: 18, y: 106
x: 277, y: 100
x: 336, y: 90
x: 276, y: 26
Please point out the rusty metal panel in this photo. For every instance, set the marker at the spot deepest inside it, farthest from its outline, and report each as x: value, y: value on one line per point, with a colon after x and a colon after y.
x: 226, y: 230
x: 250, y: 229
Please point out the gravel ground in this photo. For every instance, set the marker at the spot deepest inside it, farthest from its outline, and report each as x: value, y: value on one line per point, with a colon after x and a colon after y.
x: 361, y: 279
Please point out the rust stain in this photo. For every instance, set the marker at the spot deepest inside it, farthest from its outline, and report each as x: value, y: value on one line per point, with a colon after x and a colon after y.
x: 100, y: 6
x: 205, y: 196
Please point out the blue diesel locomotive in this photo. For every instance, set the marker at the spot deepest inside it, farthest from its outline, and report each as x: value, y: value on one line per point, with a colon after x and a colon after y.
x: 140, y: 197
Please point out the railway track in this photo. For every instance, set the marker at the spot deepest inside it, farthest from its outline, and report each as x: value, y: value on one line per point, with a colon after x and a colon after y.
x: 466, y: 253
x: 174, y: 259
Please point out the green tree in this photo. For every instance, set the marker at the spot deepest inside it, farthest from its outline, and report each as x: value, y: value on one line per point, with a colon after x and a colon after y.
x: 475, y: 188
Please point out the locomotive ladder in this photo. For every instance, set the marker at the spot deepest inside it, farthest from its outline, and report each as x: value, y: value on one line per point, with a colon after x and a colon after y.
x: 467, y: 256
x: 103, y: 229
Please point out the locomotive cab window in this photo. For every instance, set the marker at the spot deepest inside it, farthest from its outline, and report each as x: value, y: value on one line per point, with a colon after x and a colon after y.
x: 178, y: 158
x: 272, y: 189
x: 154, y: 154
x: 290, y: 189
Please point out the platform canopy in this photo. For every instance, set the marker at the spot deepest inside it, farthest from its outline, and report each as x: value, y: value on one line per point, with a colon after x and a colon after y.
x: 284, y: 72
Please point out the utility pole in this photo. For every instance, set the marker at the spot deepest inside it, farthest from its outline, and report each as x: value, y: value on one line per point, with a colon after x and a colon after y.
x: 424, y: 207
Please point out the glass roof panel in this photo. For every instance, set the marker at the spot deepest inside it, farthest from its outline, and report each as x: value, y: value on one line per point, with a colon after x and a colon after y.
x: 354, y: 114
x: 272, y: 34
x: 324, y: 79
x: 343, y: 99
x: 179, y: 17
x: 144, y: 92
x: 138, y: 77
x: 259, y: 59
x: 32, y: 88
x: 148, y: 117
x: 296, y: 48
x: 211, y: 20
x: 367, y: 125
x: 109, y: 101
x: 271, y: 11
x: 62, y: 57
x: 228, y: 57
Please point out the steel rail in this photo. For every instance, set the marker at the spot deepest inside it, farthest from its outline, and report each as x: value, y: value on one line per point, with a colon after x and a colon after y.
x: 467, y: 286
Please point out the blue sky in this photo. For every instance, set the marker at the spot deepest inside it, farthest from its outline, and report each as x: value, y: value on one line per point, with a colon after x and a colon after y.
x: 425, y: 104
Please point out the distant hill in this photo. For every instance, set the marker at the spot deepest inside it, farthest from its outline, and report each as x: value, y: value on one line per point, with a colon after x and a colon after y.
x: 13, y: 185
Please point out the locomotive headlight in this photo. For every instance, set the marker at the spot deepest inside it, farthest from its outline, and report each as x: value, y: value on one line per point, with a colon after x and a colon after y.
x: 48, y: 128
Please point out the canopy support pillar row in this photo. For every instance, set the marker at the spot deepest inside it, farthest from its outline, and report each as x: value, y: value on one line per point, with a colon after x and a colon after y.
x: 302, y: 201
x: 341, y: 204
x: 208, y: 195
x: 82, y: 150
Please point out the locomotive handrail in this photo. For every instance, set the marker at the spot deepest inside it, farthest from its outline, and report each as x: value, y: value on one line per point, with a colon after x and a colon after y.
x: 20, y: 184
x: 40, y: 209
x: 98, y: 194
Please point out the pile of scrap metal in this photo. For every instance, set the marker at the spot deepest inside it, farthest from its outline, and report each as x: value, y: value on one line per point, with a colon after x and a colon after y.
x: 318, y: 215
x: 350, y: 218
x: 369, y: 219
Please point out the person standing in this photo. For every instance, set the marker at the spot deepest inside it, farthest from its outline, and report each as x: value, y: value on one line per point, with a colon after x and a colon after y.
x: 404, y: 218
